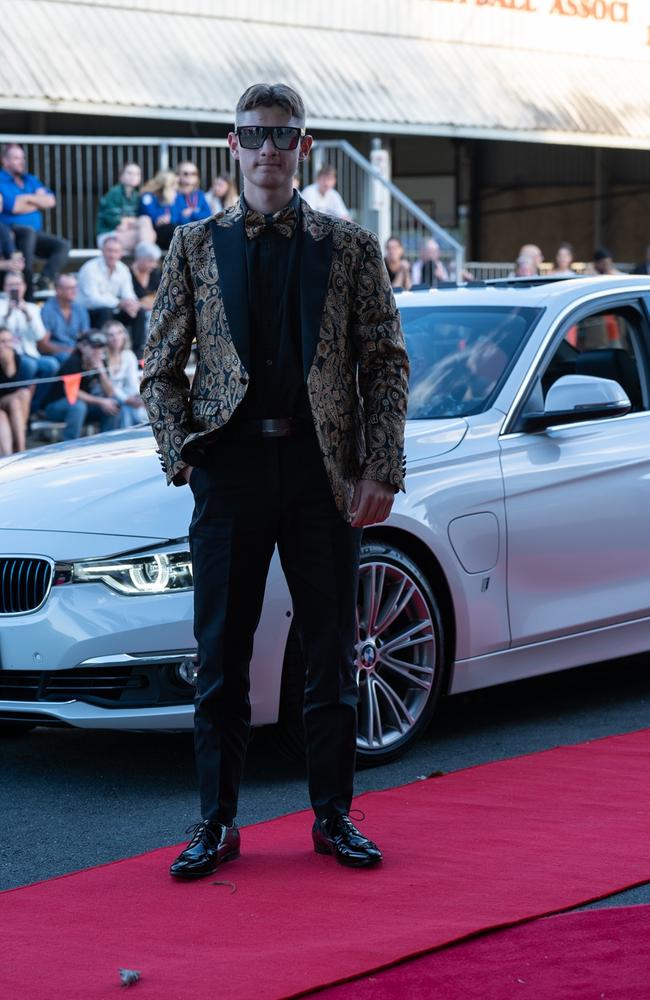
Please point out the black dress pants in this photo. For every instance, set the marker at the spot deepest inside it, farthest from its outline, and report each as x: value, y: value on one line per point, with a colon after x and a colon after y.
x: 53, y: 249
x: 252, y: 495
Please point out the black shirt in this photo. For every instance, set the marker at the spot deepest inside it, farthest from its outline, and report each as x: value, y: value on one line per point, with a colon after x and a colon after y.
x: 277, y: 386
x: 154, y: 280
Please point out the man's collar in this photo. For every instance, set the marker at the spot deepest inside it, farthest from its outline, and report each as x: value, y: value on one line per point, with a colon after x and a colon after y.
x: 294, y: 203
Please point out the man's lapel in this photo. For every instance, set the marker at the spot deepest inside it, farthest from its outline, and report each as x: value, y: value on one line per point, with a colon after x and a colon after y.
x: 228, y: 241
x: 315, y: 266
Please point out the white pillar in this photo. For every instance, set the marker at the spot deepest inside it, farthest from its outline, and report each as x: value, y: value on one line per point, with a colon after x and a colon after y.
x: 380, y: 200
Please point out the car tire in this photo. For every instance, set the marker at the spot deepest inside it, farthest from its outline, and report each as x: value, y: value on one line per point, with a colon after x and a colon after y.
x: 397, y: 697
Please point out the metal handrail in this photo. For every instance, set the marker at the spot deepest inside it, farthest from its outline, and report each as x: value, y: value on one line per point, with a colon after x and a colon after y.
x: 441, y: 234
x: 446, y: 241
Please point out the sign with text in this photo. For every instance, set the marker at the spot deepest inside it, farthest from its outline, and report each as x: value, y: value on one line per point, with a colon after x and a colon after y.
x: 608, y: 27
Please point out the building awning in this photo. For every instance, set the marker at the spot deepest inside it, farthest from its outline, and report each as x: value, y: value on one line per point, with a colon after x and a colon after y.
x: 110, y: 59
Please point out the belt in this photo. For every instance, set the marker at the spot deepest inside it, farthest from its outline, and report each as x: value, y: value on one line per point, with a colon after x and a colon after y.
x: 272, y: 428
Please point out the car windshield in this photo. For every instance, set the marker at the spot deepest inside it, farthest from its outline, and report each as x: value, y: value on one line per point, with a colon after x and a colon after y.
x: 461, y: 356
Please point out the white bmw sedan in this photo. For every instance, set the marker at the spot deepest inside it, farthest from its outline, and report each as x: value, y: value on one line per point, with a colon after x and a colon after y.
x: 522, y: 544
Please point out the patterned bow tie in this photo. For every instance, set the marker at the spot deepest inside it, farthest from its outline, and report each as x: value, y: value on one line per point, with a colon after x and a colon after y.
x: 283, y: 222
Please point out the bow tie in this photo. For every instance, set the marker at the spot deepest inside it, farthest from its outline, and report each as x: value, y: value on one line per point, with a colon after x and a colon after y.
x: 283, y: 222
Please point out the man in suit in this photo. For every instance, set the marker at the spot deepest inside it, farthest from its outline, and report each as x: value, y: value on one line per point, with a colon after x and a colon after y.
x: 291, y: 434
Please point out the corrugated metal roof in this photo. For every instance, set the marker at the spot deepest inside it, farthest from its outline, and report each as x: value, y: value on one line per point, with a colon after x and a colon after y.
x: 107, y: 60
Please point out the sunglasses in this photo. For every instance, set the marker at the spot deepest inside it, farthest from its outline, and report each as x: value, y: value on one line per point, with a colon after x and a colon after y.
x: 283, y: 136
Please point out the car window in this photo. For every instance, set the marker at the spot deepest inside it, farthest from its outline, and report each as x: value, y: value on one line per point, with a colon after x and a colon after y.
x: 607, y: 344
x: 460, y: 357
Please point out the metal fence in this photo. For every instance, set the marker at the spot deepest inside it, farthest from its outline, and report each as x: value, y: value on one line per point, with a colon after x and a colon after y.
x: 80, y: 169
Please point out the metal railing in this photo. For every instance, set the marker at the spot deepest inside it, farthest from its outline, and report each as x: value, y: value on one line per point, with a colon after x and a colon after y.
x: 361, y: 186
x: 80, y: 169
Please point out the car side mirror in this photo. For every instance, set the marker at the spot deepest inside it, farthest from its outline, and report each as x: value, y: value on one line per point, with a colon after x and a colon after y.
x: 573, y: 398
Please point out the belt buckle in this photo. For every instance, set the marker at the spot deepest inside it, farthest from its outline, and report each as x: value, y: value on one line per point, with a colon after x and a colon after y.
x: 276, y: 427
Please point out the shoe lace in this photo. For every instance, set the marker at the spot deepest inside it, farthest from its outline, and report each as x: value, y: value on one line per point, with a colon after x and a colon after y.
x: 343, y: 824
x: 203, y: 831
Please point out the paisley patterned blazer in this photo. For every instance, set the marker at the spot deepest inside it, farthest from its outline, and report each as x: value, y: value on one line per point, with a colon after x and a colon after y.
x: 354, y: 361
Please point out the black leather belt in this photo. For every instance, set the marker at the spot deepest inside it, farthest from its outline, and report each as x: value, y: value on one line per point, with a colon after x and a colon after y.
x: 272, y: 428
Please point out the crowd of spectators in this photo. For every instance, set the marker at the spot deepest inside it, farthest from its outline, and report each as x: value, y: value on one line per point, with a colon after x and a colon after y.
x: 76, y: 360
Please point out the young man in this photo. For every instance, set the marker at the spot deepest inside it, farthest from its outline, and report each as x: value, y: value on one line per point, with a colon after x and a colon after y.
x: 322, y: 195
x: 292, y: 433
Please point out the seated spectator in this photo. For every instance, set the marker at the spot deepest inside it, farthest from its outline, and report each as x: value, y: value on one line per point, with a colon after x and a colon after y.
x: 563, y: 262
x: 644, y: 266
x: 191, y: 204
x: 31, y: 340
x: 118, y: 211
x: 124, y: 374
x: 429, y: 269
x: 23, y: 199
x: 603, y: 263
x: 146, y: 275
x: 322, y: 195
x: 10, y: 258
x: 95, y: 399
x: 223, y: 194
x: 158, y: 202
x: 533, y: 251
x: 398, y: 268
x: 106, y: 290
x: 63, y: 317
x: 14, y: 402
x: 525, y: 267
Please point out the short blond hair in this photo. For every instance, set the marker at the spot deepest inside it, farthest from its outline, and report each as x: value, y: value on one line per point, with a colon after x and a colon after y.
x: 268, y: 95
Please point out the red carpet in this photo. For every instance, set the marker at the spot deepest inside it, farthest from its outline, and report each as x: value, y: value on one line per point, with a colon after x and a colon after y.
x: 578, y: 956
x: 477, y: 849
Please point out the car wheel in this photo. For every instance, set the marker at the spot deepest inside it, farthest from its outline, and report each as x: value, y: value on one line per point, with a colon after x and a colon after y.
x: 400, y: 660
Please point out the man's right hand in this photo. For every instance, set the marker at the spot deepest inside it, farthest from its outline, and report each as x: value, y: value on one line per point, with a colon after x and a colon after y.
x: 187, y: 472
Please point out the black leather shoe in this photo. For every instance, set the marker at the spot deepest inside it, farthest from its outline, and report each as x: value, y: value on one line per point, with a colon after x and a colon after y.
x: 211, y: 844
x: 340, y: 837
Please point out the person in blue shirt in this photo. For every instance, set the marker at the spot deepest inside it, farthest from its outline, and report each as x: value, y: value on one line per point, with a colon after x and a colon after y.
x: 158, y: 201
x: 191, y: 203
x: 63, y: 318
x: 23, y: 198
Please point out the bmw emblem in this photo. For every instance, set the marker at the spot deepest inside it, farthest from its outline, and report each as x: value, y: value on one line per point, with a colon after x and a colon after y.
x: 368, y: 655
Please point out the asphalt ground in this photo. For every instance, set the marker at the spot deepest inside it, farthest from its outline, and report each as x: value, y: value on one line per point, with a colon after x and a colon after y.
x: 70, y: 799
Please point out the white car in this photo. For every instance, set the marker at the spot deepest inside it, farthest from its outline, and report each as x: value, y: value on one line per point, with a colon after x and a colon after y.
x: 522, y: 544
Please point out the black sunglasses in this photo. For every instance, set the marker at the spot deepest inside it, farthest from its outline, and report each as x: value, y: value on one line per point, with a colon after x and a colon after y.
x: 283, y: 136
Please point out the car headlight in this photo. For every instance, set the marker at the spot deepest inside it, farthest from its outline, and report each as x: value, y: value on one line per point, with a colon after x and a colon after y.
x: 146, y: 573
